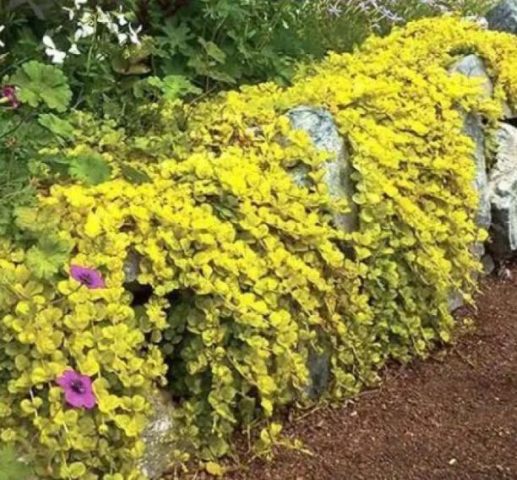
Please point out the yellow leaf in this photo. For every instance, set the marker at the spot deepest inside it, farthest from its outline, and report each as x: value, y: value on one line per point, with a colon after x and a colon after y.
x: 89, y: 366
x: 92, y: 227
x: 214, y: 469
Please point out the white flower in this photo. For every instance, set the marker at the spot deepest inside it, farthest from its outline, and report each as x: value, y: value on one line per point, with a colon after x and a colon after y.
x: 122, y: 38
x: 56, y: 56
x: 84, y: 31
x: 113, y: 28
x: 74, y: 50
x: 71, y: 12
x: 2, y: 44
x: 133, y: 34
x: 102, y: 16
x: 78, y: 3
x: 86, y: 26
x: 335, y: 10
x: 121, y: 17
x: 107, y: 19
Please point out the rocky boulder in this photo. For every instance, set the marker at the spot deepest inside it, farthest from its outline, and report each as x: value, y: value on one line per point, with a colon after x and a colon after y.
x: 479, y: 20
x: 503, y: 16
x: 321, y: 128
x: 502, y: 190
x: 319, y: 373
x: 132, y: 267
x: 474, y: 129
x: 157, y: 437
x: 473, y: 67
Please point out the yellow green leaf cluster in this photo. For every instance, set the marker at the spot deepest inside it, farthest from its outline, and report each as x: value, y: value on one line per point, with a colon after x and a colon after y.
x: 248, y: 275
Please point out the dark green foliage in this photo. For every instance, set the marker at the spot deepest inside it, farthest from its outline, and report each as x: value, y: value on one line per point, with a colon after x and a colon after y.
x: 10, y: 467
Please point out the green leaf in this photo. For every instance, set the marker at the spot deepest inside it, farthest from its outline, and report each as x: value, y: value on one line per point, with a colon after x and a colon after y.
x: 47, y: 257
x: 213, y: 51
x: 57, y: 125
x: 76, y: 470
x: 177, y: 86
x: 35, y: 221
x: 39, y: 83
x: 174, y: 87
x: 26, y: 217
x: 132, y: 175
x: 10, y: 467
x: 91, y: 169
x: 176, y: 36
x: 199, y: 63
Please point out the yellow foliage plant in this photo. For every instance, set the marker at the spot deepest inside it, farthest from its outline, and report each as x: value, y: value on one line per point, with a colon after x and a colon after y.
x: 245, y: 271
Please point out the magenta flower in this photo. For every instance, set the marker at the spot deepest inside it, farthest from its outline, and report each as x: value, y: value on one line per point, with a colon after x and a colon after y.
x: 78, y: 390
x: 9, y: 96
x: 88, y: 277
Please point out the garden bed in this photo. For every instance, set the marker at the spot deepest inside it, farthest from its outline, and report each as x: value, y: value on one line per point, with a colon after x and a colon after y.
x: 178, y: 266
x: 451, y: 417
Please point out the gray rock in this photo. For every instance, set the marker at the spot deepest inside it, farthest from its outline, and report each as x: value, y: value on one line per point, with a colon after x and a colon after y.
x: 157, y: 437
x: 132, y: 266
x: 319, y: 373
x: 488, y: 264
x: 321, y: 128
x: 473, y: 66
x: 474, y: 129
x: 502, y: 189
x: 456, y: 301
x: 508, y: 112
x: 503, y: 16
x: 479, y: 20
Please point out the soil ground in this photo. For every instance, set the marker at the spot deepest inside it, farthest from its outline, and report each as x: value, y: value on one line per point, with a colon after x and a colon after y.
x: 450, y: 417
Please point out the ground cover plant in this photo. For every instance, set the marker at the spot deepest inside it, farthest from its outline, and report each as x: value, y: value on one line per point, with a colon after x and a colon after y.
x: 110, y: 58
x: 243, y: 272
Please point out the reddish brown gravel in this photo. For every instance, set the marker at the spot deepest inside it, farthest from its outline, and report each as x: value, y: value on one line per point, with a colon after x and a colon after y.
x: 451, y: 417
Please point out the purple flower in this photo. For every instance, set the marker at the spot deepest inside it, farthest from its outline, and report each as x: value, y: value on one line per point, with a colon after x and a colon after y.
x: 78, y: 390
x: 88, y: 277
x: 9, y: 96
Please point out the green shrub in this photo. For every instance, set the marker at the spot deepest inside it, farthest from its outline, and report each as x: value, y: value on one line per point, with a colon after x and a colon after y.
x: 118, y: 54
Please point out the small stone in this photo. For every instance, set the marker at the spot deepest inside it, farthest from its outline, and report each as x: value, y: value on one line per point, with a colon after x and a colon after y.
x: 456, y: 301
x: 504, y: 273
x: 488, y: 264
x: 453, y: 461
